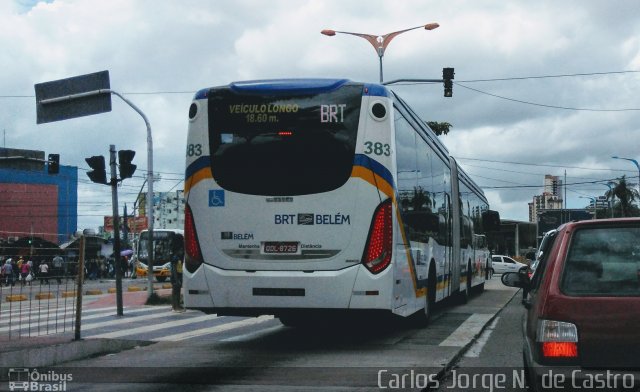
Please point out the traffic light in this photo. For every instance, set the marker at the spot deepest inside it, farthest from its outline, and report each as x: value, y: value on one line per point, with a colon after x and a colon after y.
x: 54, y: 163
x: 98, y: 174
x: 126, y: 167
x: 447, y: 76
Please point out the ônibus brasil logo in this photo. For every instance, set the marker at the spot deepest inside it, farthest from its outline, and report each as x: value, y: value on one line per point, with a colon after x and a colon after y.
x: 23, y: 379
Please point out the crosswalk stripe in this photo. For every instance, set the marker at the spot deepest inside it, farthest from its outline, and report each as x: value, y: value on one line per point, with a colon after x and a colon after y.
x: 125, y: 320
x: 22, y: 323
x: 88, y: 314
x: 212, y: 330
x: 156, y: 327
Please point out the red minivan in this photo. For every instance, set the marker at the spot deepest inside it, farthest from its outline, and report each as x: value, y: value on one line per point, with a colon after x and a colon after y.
x: 582, y: 326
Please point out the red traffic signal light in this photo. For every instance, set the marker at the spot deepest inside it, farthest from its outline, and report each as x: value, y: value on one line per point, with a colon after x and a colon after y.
x: 126, y: 167
x: 98, y: 174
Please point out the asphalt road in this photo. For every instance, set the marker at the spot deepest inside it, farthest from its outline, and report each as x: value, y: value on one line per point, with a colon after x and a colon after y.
x: 362, y: 355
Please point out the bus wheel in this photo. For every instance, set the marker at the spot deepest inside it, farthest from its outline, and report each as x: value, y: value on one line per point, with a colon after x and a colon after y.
x: 464, y: 295
x: 422, y: 318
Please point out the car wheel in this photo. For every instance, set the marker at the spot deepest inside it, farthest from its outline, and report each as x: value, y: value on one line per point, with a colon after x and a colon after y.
x: 161, y: 278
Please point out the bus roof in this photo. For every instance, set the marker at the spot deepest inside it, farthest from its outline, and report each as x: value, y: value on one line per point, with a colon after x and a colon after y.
x: 293, y: 87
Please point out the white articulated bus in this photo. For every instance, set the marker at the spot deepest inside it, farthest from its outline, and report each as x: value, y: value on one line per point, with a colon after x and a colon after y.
x: 315, y: 195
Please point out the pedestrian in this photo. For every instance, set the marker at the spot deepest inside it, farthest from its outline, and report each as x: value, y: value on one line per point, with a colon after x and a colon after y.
x: 44, y: 272
x: 176, y: 281
x: 25, y: 270
x: 57, y: 268
x: 7, y: 271
x: 16, y: 271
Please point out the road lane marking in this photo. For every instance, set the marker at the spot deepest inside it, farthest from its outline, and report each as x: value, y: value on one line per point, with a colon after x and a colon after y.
x: 475, y: 350
x: 468, y: 330
x: 212, y: 330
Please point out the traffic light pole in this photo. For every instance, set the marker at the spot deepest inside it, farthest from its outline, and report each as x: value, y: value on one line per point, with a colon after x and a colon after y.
x: 149, y: 204
x: 116, y: 229
x: 80, y: 96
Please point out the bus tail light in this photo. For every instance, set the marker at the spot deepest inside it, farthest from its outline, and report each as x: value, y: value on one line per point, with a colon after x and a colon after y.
x: 377, y: 252
x: 193, y: 255
x: 558, y: 339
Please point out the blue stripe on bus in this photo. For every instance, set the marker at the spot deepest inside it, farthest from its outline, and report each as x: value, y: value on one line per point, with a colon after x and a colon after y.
x: 287, y: 86
x: 377, y: 167
x: 196, y: 165
x: 375, y: 90
x: 358, y: 160
x: 202, y: 93
x: 295, y: 86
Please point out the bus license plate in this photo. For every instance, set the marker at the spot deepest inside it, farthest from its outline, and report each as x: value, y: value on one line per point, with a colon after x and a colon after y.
x: 281, y: 247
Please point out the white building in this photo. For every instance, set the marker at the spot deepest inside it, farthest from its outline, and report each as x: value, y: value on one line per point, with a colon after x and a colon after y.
x: 168, y: 210
x: 550, y: 199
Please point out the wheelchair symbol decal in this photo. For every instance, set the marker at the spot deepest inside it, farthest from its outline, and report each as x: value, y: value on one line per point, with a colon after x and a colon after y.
x: 216, y: 198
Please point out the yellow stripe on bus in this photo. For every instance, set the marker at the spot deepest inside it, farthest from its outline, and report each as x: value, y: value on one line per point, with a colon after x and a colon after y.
x: 202, y: 174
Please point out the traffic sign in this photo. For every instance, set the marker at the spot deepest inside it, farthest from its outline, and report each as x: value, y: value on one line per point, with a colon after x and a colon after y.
x: 78, y: 96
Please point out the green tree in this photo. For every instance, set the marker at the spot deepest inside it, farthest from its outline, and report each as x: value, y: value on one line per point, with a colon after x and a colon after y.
x: 624, y: 198
x: 439, y: 128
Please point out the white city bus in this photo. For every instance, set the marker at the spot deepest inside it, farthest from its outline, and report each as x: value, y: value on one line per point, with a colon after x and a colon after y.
x: 314, y: 195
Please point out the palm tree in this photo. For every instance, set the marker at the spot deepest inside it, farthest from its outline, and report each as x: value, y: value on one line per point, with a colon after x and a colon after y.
x: 625, y: 196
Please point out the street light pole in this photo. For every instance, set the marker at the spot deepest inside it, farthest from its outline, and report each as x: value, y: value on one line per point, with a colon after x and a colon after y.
x: 380, y: 42
x: 637, y: 166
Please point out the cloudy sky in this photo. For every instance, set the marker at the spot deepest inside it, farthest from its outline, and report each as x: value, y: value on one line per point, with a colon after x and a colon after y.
x: 544, y: 87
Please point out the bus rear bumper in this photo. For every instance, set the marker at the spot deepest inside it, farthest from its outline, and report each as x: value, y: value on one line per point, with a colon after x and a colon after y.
x: 249, y: 293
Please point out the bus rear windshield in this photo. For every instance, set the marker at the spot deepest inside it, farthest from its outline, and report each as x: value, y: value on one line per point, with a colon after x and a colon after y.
x: 166, y: 244
x: 265, y: 144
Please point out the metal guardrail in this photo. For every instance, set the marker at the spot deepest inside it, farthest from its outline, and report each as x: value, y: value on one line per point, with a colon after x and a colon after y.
x: 40, y: 306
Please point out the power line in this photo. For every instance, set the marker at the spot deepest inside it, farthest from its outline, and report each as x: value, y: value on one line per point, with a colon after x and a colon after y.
x: 540, y: 186
x: 546, y: 105
x: 542, y: 165
x: 549, y: 76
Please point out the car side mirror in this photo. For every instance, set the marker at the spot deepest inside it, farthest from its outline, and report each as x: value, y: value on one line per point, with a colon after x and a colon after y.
x: 516, y: 279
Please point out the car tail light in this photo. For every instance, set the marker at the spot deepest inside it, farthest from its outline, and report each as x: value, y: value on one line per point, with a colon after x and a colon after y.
x: 560, y: 349
x: 558, y: 339
x: 377, y: 252
x: 193, y: 257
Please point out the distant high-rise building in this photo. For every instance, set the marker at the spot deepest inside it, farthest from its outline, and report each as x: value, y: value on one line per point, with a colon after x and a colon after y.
x: 550, y: 199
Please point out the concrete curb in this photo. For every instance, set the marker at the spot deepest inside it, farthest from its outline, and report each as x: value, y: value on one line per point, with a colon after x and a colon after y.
x: 49, y: 355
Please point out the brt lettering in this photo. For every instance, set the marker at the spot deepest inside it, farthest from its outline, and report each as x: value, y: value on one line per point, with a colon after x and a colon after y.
x: 332, y: 113
x: 283, y: 219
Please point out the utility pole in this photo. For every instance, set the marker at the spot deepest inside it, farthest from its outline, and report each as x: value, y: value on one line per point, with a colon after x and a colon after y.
x: 116, y: 228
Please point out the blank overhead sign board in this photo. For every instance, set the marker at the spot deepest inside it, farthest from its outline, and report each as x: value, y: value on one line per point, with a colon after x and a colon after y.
x: 78, y: 96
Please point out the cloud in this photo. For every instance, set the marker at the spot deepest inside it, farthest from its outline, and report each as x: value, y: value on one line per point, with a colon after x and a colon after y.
x: 164, y: 51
